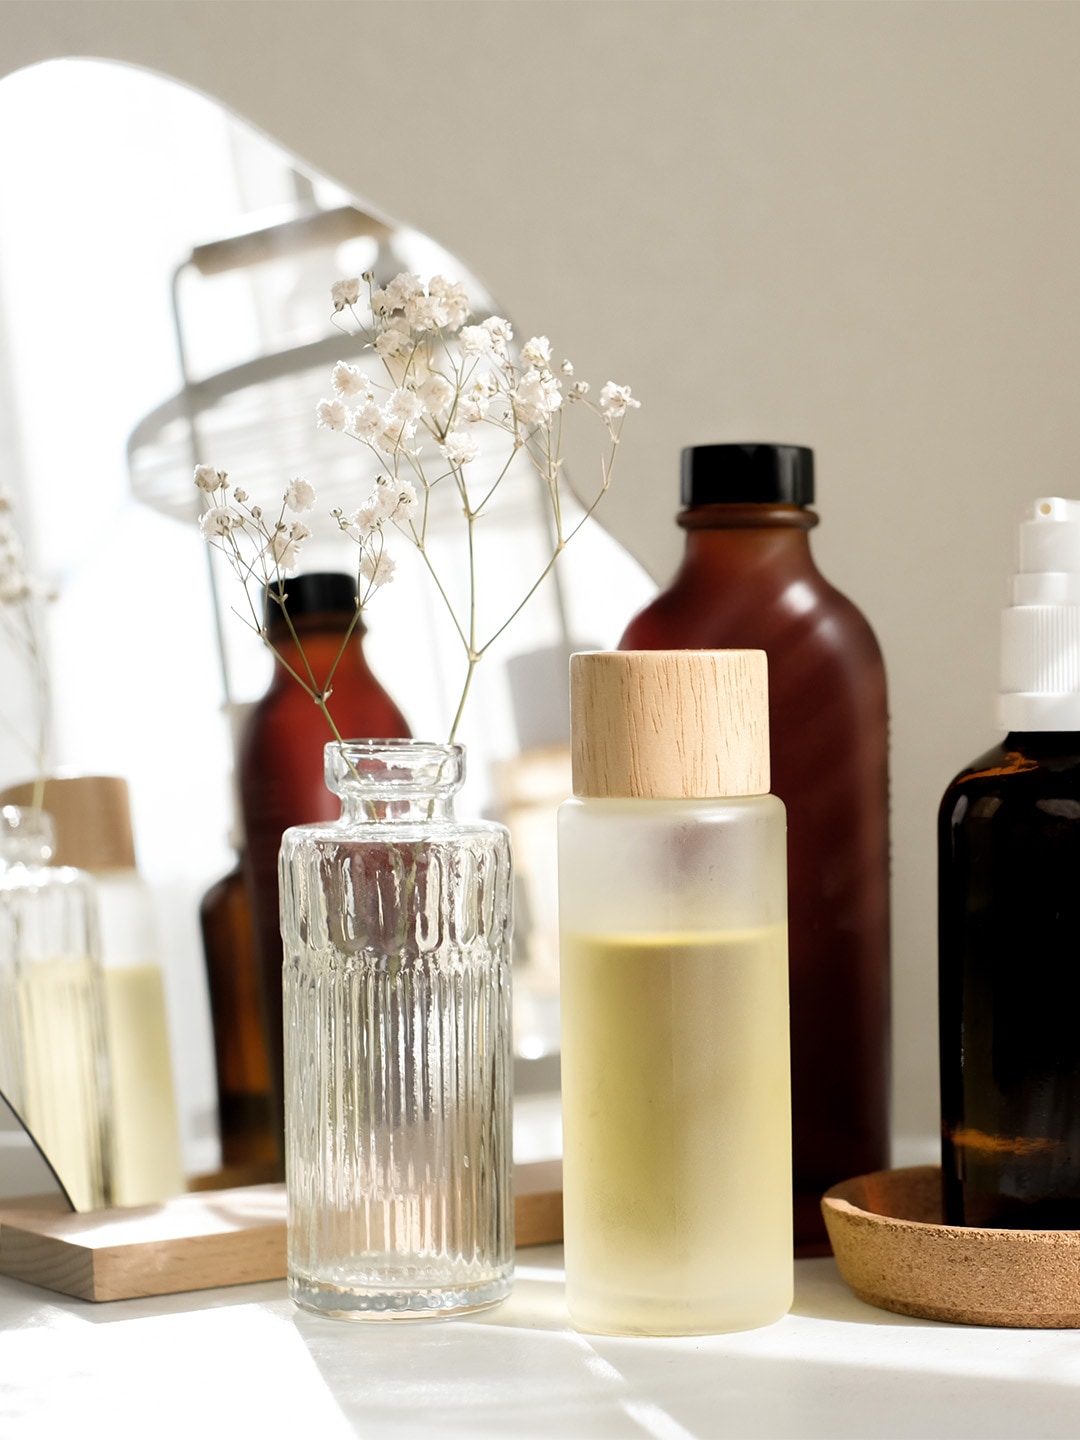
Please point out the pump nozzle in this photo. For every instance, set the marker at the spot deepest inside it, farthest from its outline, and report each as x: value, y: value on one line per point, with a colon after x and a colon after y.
x: 1040, y: 628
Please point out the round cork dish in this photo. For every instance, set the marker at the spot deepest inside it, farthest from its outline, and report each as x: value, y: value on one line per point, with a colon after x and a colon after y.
x: 895, y: 1253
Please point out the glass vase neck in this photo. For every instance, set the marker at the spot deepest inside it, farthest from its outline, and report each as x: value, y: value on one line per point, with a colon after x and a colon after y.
x: 396, y: 780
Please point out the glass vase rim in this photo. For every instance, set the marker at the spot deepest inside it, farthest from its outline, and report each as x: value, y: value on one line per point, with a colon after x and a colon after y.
x: 394, y: 767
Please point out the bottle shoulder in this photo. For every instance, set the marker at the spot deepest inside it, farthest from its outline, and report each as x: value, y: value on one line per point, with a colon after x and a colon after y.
x: 1035, y: 764
x: 355, y: 700
x: 777, y: 609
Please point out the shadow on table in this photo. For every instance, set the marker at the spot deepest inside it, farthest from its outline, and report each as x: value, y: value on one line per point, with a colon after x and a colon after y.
x: 821, y: 1294
x: 24, y: 1302
x: 492, y: 1381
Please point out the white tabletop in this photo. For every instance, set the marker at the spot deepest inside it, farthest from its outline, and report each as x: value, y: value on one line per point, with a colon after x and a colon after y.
x: 244, y: 1362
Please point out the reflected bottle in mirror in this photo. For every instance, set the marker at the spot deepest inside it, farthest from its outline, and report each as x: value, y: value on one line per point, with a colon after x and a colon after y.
x: 54, y: 1063
x: 282, y: 782
x: 249, y: 1146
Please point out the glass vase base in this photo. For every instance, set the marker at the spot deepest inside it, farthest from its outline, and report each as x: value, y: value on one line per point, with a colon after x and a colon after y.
x: 357, y: 1303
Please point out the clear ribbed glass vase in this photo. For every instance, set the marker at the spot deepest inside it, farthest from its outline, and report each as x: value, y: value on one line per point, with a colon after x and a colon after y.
x: 396, y: 921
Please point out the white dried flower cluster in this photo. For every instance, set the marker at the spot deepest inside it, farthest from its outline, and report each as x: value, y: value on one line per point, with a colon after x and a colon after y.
x: 448, y: 392
x: 445, y: 376
x: 17, y: 585
x: 453, y: 390
x: 254, y: 544
x: 20, y: 598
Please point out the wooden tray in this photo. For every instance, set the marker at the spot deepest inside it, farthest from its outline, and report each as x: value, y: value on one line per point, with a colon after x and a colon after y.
x: 895, y: 1253
x: 198, y: 1241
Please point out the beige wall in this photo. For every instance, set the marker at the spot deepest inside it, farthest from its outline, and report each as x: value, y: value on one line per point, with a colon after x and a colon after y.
x: 854, y: 226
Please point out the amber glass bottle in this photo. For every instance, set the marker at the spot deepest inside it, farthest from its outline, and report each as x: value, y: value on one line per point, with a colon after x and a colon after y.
x: 1009, y: 914
x: 1009, y: 986
x: 748, y: 580
x: 249, y: 1147
x: 281, y: 756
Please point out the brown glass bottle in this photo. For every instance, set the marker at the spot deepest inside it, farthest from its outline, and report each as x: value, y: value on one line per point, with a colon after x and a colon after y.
x: 281, y: 757
x: 748, y: 579
x: 1009, y: 985
x: 249, y: 1147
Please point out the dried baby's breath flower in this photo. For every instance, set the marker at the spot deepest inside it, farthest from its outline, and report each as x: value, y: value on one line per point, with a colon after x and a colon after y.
x: 208, y: 478
x: 332, y: 414
x: 345, y: 293
x: 348, y: 381
x: 615, y: 400
x: 460, y: 448
x: 300, y: 496
x: 450, y: 396
x: 537, y: 351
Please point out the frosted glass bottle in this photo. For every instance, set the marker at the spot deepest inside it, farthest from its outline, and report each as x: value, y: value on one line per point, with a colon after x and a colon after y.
x: 92, y: 818
x: 675, y: 1046
x: 53, y: 1060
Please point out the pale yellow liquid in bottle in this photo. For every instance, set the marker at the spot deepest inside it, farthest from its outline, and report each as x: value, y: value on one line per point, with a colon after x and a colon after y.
x: 676, y: 1131
x: 146, y: 1150
x: 62, y: 1091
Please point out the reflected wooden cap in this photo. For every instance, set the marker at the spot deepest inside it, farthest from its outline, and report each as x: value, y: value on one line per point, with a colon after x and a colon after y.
x: 670, y: 724
x: 92, y: 815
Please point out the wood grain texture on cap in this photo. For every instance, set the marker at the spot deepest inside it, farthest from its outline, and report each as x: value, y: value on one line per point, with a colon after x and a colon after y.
x: 670, y: 724
x: 92, y: 816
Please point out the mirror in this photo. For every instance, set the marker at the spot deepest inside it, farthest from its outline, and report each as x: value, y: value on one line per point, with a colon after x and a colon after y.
x: 135, y: 269
x: 25, y: 1172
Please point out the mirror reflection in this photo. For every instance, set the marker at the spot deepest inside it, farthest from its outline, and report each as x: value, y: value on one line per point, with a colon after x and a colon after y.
x: 164, y: 302
x: 25, y: 1174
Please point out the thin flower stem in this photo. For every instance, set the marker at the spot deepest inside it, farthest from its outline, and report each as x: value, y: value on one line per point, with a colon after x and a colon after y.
x: 559, y: 548
x: 310, y: 690
x: 23, y: 631
x: 472, y: 588
x: 522, y: 603
x: 9, y: 727
x: 445, y: 598
x: 464, y: 696
x: 498, y: 481
x: 350, y: 629
x: 316, y: 689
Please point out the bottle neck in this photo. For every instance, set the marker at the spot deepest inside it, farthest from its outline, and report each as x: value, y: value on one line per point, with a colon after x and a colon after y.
x: 318, y: 642
x: 396, y: 780
x: 358, y: 807
x: 748, y: 516
x: 754, y: 537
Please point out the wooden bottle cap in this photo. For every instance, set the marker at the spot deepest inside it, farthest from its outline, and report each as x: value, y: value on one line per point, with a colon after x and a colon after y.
x: 92, y: 815
x: 670, y: 724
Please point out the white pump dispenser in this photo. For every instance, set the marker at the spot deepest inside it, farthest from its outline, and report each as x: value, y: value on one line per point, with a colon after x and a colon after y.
x: 1040, y: 628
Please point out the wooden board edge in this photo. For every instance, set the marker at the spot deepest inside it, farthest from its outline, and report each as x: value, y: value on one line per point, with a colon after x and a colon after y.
x: 203, y: 1262
x: 538, y: 1218
x: 44, y: 1260
x: 196, y: 1262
